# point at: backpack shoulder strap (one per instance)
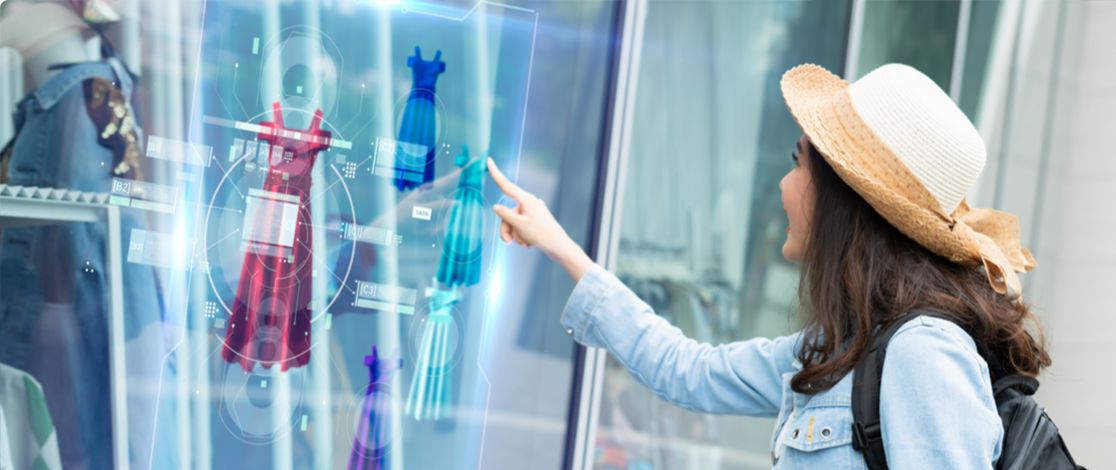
(867, 435)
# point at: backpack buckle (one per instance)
(859, 441)
(863, 435)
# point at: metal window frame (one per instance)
(853, 38)
(588, 375)
(960, 49)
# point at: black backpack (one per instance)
(1031, 440)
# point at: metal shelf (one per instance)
(22, 206)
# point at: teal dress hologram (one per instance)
(430, 386)
(460, 264)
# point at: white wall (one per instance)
(1062, 122)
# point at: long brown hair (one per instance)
(859, 272)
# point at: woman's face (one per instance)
(798, 201)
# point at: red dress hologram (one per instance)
(270, 318)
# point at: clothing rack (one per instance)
(23, 206)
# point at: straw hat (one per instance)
(899, 141)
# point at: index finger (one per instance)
(509, 188)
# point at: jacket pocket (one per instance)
(818, 428)
(820, 436)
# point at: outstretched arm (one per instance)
(742, 378)
(745, 377)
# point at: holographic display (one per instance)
(157, 249)
(418, 130)
(178, 151)
(333, 182)
(270, 321)
(372, 436)
(438, 345)
(385, 298)
(461, 249)
(260, 406)
(143, 195)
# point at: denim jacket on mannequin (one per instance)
(53, 303)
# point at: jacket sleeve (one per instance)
(936, 404)
(739, 378)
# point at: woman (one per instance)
(878, 223)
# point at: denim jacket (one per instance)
(936, 404)
(66, 346)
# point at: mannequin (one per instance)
(44, 33)
(72, 126)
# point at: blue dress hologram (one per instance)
(418, 131)
(374, 423)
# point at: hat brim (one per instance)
(822, 107)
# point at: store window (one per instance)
(312, 276)
(917, 33)
(957, 44)
(985, 23)
(702, 219)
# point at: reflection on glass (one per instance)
(71, 134)
(913, 32)
(703, 222)
(980, 46)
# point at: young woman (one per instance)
(878, 224)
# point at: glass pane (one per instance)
(918, 33)
(984, 23)
(703, 225)
(312, 277)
